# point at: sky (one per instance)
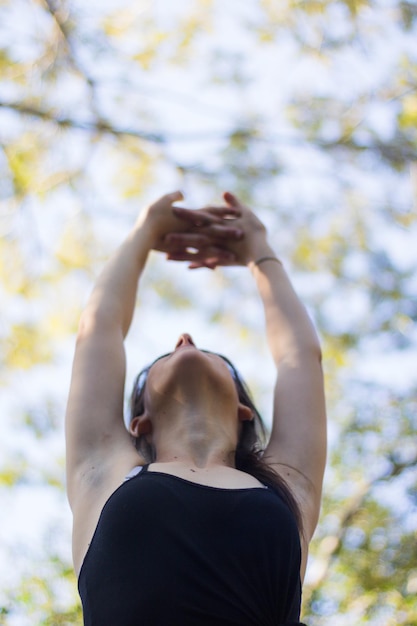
(178, 103)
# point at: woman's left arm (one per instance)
(297, 445)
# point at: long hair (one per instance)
(250, 446)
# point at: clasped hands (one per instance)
(208, 237)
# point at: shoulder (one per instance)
(96, 483)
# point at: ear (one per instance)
(140, 425)
(244, 413)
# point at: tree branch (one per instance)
(67, 122)
(330, 546)
(399, 152)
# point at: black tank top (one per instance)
(170, 552)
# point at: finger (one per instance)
(175, 196)
(213, 263)
(220, 231)
(196, 266)
(227, 212)
(197, 257)
(209, 236)
(182, 240)
(206, 255)
(208, 215)
(232, 200)
(195, 217)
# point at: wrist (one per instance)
(143, 240)
(260, 249)
(266, 259)
(146, 232)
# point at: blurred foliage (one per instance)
(308, 110)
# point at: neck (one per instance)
(197, 437)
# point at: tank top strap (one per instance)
(136, 470)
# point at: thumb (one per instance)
(175, 196)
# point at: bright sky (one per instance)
(180, 106)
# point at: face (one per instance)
(183, 375)
(188, 368)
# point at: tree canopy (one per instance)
(308, 112)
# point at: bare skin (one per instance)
(192, 412)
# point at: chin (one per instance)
(190, 366)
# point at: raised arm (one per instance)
(297, 445)
(95, 432)
(97, 441)
(99, 449)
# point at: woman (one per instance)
(170, 531)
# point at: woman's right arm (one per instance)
(97, 441)
(95, 433)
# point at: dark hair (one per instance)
(250, 447)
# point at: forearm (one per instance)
(290, 332)
(113, 299)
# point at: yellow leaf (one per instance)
(149, 53)
(136, 168)
(76, 247)
(119, 23)
(11, 474)
(24, 158)
(25, 346)
(408, 115)
(15, 275)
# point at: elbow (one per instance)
(94, 321)
(313, 355)
(87, 325)
(317, 352)
(311, 349)
(300, 353)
